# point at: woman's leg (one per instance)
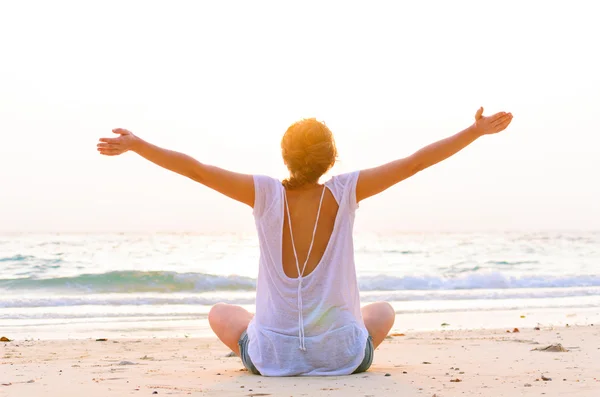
(379, 319)
(229, 322)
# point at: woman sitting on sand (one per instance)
(308, 317)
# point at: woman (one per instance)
(308, 318)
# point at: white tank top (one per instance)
(309, 325)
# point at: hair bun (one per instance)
(308, 150)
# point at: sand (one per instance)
(486, 363)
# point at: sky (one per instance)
(221, 81)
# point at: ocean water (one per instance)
(135, 285)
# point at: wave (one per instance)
(509, 263)
(364, 250)
(168, 282)
(139, 317)
(480, 280)
(132, 282)
(121, 301)
(29, 265)
(17, 258)
(577, 297)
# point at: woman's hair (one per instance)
(308, 151)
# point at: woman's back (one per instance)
(310, 325)
(304, 205)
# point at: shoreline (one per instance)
(486, 362)
(196, 325)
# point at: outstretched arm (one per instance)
(239, 187)
(375, 180)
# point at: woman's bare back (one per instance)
(304, 204)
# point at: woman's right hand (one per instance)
(485, 125)
(115, 146)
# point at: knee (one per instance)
(215, 315)
(380, 312)
(387, 307)
(383, 309)
(387, 311)
(384, 313)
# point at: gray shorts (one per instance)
(243, 344)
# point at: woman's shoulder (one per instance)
(343, 187)
(343, 180)
(267, 190)
(266, 180)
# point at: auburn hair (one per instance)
(308, 151)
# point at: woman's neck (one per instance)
(306, 186)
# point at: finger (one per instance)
(499, 114)
(121, 131)
(501, 119)
(496, 117)
(109, 151)
(479, 113)
(502, 125)
(109, 140)
(107, 146)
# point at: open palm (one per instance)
(116, 146)
(491, 124)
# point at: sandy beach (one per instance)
(443, 363)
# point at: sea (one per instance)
(86, 285)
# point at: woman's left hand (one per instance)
(119, 145)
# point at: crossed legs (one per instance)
(229, 322)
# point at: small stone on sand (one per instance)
(552, 348)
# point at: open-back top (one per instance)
(310, 325)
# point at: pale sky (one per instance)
(222, 80)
